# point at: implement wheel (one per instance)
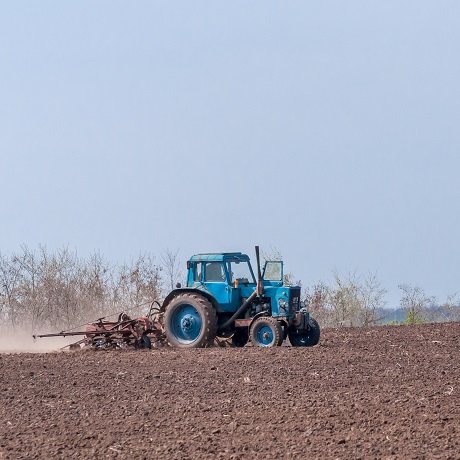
(307, 339)
(266, 332)
(190, 321)
(144, 342)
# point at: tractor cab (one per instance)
(227, 277)
(229, 280)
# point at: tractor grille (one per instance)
(294, 300)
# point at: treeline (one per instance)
(60, 290)
(353, 300)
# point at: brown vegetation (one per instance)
(60, 290)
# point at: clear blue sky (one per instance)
(329, 130)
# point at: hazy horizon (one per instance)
(326, 130)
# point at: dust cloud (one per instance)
(22, 342)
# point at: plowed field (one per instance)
(387, 392)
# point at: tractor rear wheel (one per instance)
(266, 332)
(307, 339)
(190, 321)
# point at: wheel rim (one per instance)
(186, 324)
(264, 335)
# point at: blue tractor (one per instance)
(223, 299)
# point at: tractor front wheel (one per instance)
(266, 332)
(190, 321)
(307, 339)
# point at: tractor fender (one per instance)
(176, 292)
(249, 322)
(258, 315)
(264, 313)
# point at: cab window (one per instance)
(273, 271)
(239, 270)
(214, 272)
(197, 272)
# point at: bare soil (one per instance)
(387, 392)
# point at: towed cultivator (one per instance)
(123, 333)
(222, 299)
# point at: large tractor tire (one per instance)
(190, 321)
(308, 339)
(266, 332)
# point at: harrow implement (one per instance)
(126, 332)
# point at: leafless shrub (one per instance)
(59, 290)
(415, 303)
(349, 301)
(275, 254)
(447, 311)
(136, 284)
(172, 268)
(316, 297)
(373, 300)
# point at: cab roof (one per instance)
(217, 256)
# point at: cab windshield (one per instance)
(240, 270)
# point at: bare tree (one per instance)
(415, 303)
(345, 300)
(59, 290)
(373, 301)
(274, 254)
(171, 267)
(137, 284)
(29, 306)
(9, 279)
(447, 311)
(350, 301)
(317, 300)
(95, 287)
